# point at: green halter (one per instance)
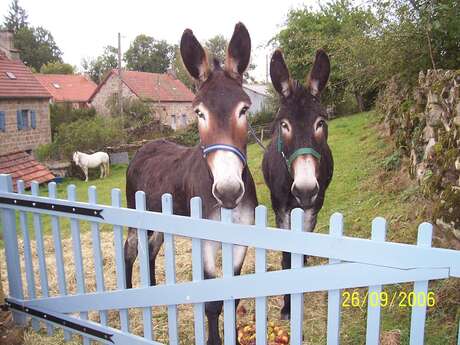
(299, 152)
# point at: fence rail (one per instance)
(353, 262)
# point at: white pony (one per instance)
(94, 160)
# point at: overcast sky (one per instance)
(82, 28)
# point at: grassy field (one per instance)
(361, 189)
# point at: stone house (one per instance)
(72, 89)
(169, 99)
(24, 104)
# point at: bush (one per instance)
(188, 136)
(46, 152)
(87, 135)
(65, 113)
(263, 117)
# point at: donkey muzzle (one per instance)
(305, 187)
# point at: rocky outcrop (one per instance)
(425, 122)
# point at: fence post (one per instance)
(11, 249)
(418, 315)
(379, 228)
(333, 296)
(297, 216)
(261, 267)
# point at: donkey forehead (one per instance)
(303, 109)
(221, 94)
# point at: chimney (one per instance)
(7, 45)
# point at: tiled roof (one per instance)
(67, 87)
(153, 86)
(25, 85)
(23, 166)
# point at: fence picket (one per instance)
(120, 259)
(170, 269)
(144, 265)
(379, 229)
(261, 266)
(418, 315)
(333, 296)
(78, 260)
(227, 270)
(60, 272)
(30, 278)
(37, 219)
(296, 299)
(10, 237)
(197, 272)
(97, 254)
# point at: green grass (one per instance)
(361, 189)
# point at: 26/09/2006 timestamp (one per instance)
(384, 299)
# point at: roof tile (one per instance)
(71, 87)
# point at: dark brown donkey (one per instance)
(215, 170)
(298, 164)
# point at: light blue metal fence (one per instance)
(353, 262)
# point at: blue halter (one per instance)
(225, 147)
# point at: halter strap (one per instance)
(224, 147)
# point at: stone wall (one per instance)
(425, 122)
(25, 139)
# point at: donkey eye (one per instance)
(243, 111)
(284, 125)
(199, 113)
(320, 124)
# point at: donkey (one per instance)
(298, 165)
(216, 170)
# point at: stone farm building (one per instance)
(169, 99)
(72, 89)
(258, 93)
(24, 108)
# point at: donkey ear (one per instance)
(279, 74)
(238, 51)
(194, 56)
(319, 74)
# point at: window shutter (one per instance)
(2, 121)
(33, 119)
(19, 119)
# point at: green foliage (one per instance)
(180, 70)
(16, 17)
(36, 47)
(147, 54)
(65, 113)
(217, 48)
(368, 45)
(136, 113)
(87, 135)
(98, 67)
(57, 68)
(188, 136)
(393, 161)
(46, 152)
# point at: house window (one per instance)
(184, 120)
(2, 121)
(173, 122)
(26, 119)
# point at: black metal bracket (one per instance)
(9, 305)
(90, 212)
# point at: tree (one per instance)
(57, 68)
(179, 69)
(36, 47)
(346, 32)
(146, 54)
(16, 18)
(97, 67)
(217, 48)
